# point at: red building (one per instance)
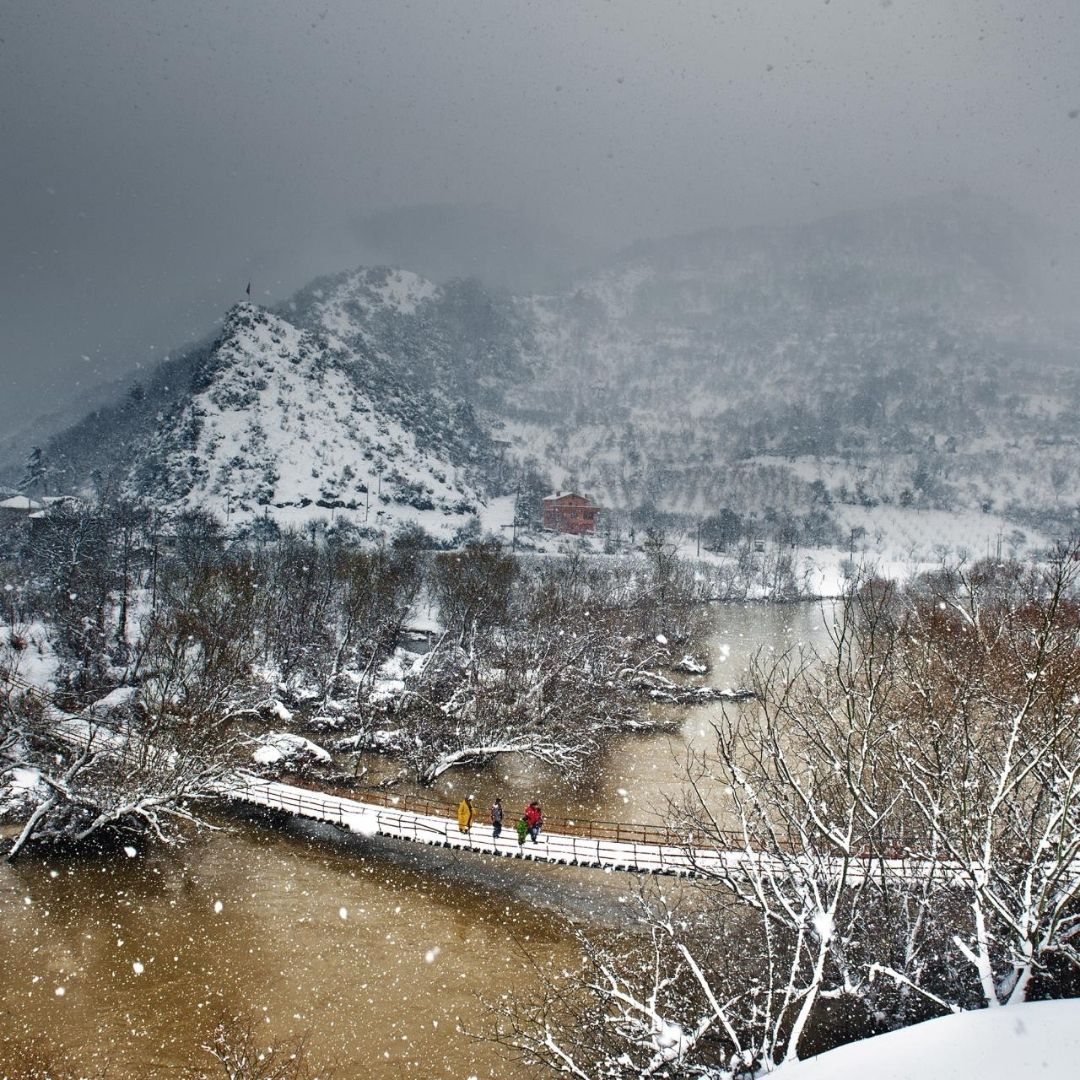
(570, 513)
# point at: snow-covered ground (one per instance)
(27, 652)
(896, 542)
(1041, 1039)
(895, 533)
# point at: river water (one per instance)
(380, 952)
(635, 777)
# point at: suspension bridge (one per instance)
(636, 848)
(615, 846)
(608, 845)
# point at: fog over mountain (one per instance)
(795, 382)
(457, 454)
(157, 157)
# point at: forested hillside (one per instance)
(916, 356)
(913, 354)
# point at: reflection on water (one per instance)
(379, 950)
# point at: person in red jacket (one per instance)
(534, 819)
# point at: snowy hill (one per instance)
(279, 426)
(1041, 1039)
(911, 355)
(458, 340)
(801, 380)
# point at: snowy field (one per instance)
(896, 533)
(896, 542)
(26, 651)
(1036, 1040)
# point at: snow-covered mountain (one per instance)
(459, 340)
(916, 352)
(281, 424)
(916, 355)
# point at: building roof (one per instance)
(20, 502)
(560, 496)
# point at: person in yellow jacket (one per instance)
(465, 814)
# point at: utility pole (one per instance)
(514, 526)
(856, 532)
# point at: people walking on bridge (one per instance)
(522, 829)
(534, 819)
(465, 814)
(496, 819)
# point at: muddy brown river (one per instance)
(382, 953)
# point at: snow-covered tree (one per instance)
(35, 479)
(900, 819)
(541, 663)
(238, 1049)
(989, 759)
(147, 765)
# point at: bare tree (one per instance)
(473, 588)
(900, 827)
(545, 682)
(149, 767)
(237, 1051)
(375, 594)
(990, 762)
(796, 790)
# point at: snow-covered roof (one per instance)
(559, 496)
(20, 502)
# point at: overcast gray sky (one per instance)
(153, 156)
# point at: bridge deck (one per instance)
(372, 820)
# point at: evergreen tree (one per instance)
(36, 474)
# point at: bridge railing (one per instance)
(620, 831)
(294, 802)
